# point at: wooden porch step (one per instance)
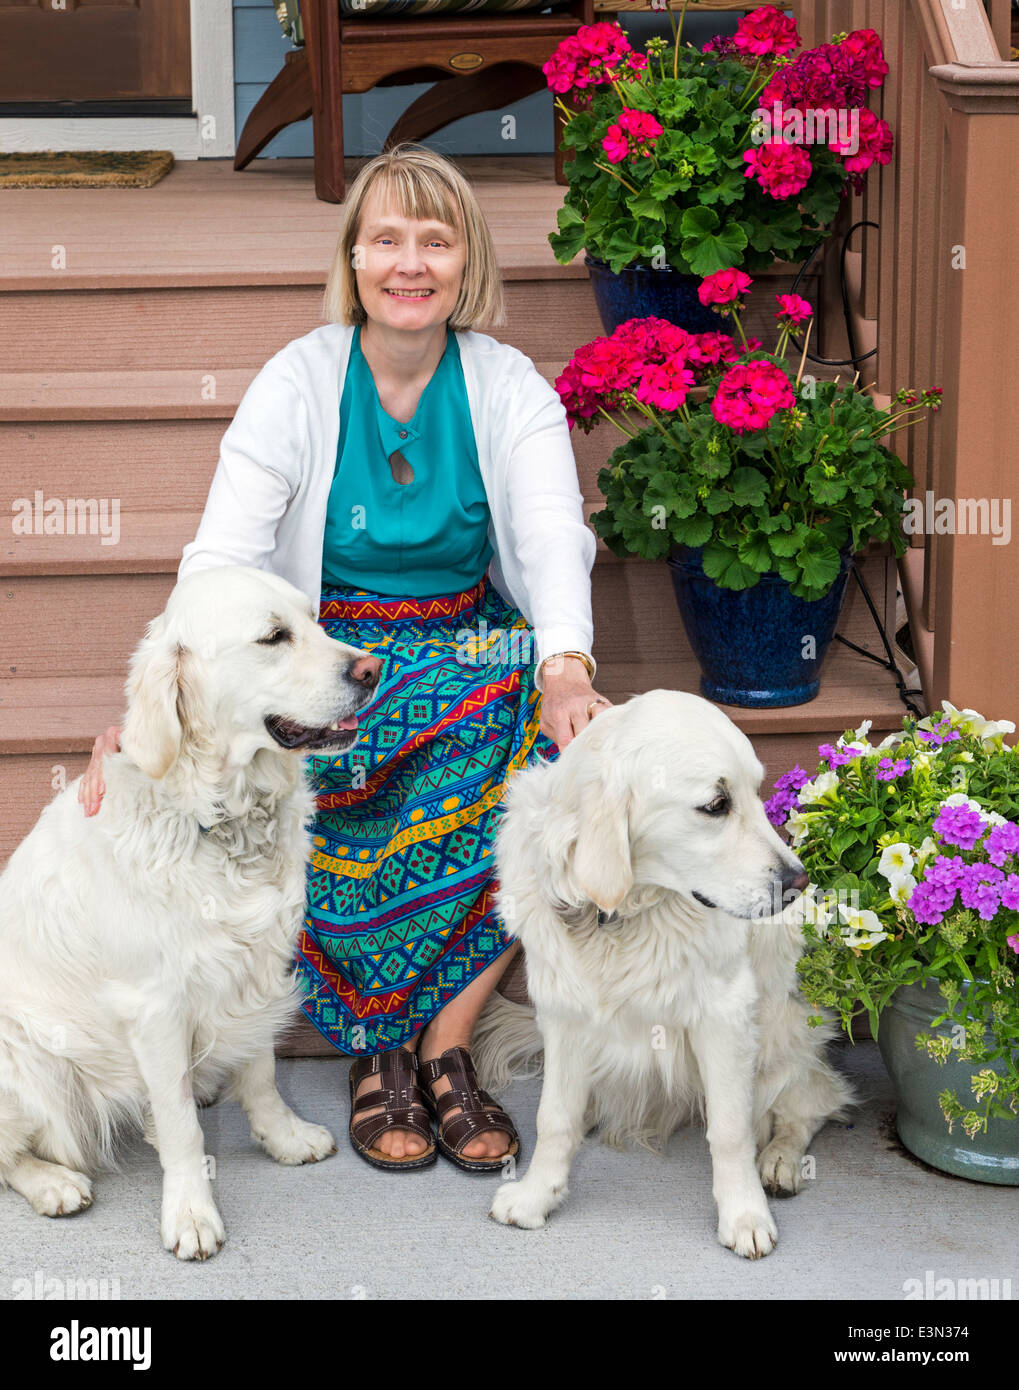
(241, 326)
(145, 543)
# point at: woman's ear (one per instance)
(153, 729)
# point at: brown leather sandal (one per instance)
(479, 1112)
(405, 1106)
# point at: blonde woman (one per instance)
(415, 478)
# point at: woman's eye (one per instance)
(718, 807)
(279, 634)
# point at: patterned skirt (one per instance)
(401, 886)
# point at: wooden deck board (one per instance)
(205, 224)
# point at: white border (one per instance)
(209, 134)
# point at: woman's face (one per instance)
(408, 272)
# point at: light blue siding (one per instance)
(259, 49)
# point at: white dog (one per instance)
(684, 996)
(146, 953)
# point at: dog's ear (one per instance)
(602, 868)
(153, 729)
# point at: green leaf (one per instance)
(723, 565)
(693, 531)
(819, 561)
(749, 487)
(706, 246)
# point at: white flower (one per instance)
(967, 721)
(862, 929)
(995, 818)
(900, 888)
(864, 729)
(929, 847)
(992, 730)
(961, 799)
(896, 859)
(824, 783)
(891, 741)
(796, 827)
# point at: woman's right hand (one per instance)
(92, 786)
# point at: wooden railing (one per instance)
(941, 277)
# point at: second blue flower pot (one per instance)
(640, 292)
(761, 648)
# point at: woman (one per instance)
(380, 463)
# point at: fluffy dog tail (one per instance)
(506, 1043)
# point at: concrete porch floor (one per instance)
(634, 1227)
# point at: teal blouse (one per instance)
(416, 539)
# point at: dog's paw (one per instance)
(516, 1204)
(294, 1141)
(194, 1230)
(751, 1234)
(780, 1170)
(61, 1192)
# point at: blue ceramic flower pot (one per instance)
(991, 1157)
(640, 292)
(752, 644)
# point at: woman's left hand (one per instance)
(568, 702)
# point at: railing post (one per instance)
(977, 575)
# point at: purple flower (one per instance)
(887, 771)
(777, 807)
(827, 76)
(1010, 897)
(926, 905)
(958, 825)
(1001, 842)
(940, 735)
(792, 780)
(981, 889)
(836, 757)
(1013, 941)
(723, 46)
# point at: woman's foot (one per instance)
(488, 1145)
(376, 1143)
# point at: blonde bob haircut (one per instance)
(421, 185)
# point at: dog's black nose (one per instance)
(794, 878)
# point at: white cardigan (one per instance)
(267, 504)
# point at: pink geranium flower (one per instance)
(876, 142)
(723, 287)
(633, 134)
(793, 308)
(666, 385)
(864, 45)
(749, 394)
(782, 170)
(766, 31)
(590, 58)
(711, 349)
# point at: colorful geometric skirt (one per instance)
(400, 912)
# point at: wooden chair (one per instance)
(494, 56)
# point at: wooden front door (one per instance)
(95, 57)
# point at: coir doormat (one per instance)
(84, 168)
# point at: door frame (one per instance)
(208, 133)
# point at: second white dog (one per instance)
(684, 995)
(146, 953)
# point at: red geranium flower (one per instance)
(782, 170)
(723, 287)
(765, 31)
(749, 394)
(793, 308)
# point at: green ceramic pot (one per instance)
(991, 1157)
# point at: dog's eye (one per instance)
(718, 807)
(278, 634)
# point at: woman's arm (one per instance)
(555, 549)
(261, 461)
(554, 546)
